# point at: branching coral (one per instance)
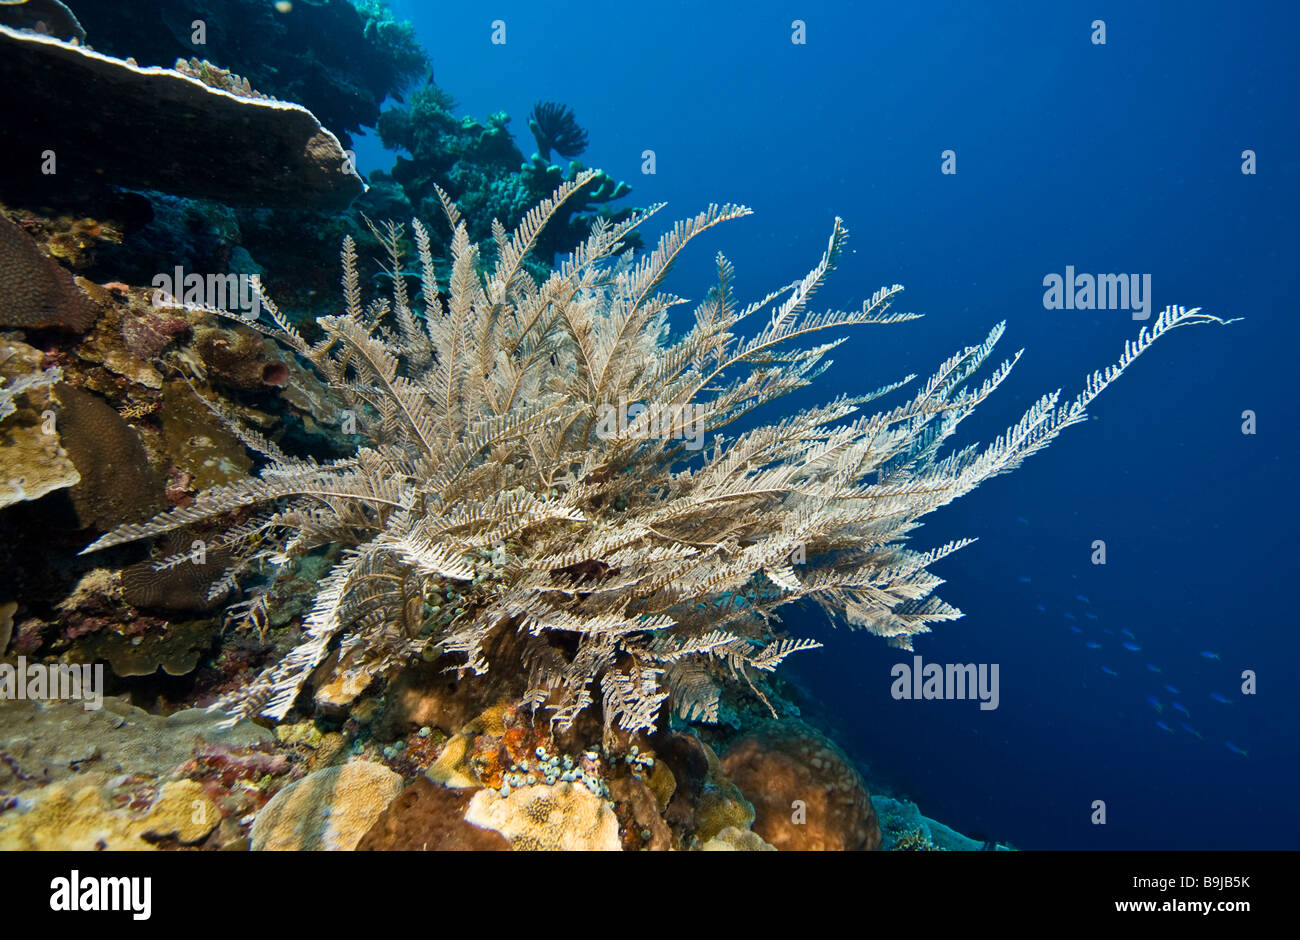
(512, 487)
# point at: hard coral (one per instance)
(806, 793)
(237, 149)
(33, 461)
(548, 818)
(329, 809)
(79, 815)
(117, 483)
(35, 291)
(427, 818)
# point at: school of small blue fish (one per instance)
(1129, 645)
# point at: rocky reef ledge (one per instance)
(82, 117)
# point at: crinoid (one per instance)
(555, 127)
(528, 471)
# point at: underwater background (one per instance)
(1119, 682)
(1123, 157)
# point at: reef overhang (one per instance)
(108, 120)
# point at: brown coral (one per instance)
(806, 793)
(426, 818)
(35, 291)
(117, 484)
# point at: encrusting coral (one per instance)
(32, 459)
(329, 809)
(536, 465)
(562, 817)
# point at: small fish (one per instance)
(1074, 629)
(1022, 520)
(1170, 688)
(1178, 707)
(1108, 631)
(1040, 607)
(1090, 615)
(1132, 647)
(1069, 616)
(1208, 655)
(1164, 727)
(1152, 668)
(1080, 597)
(1190, 730)
(1155, 703)
(1220, 699)
(1236, 750)
(1092, 646)
(1109, 671)
(1026, 579)
(1125, 631)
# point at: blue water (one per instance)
(1116, 158)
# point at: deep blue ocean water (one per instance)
(1117, 158)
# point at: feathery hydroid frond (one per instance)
(538, 466)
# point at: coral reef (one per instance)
(338, 58)
(198, 447)
(737, 840)
(904, 829)
(120, 778)
(49, 742)
(240, 359)
(237, 149)
(500, 545)
(76, 815)
(216, 77)
(481, 168)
